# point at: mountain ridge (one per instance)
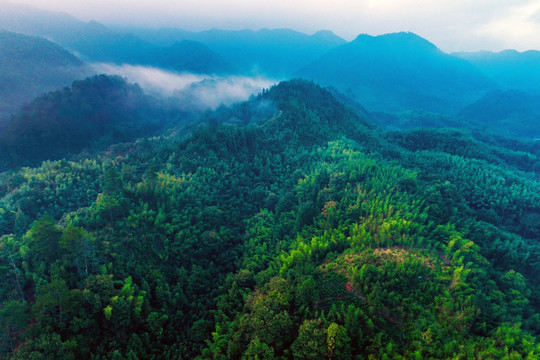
(399, 71)
(512, 69)
(95, 42)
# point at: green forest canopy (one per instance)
(304, 234)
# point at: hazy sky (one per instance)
(452, 25)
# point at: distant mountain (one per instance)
(277, 53)
(190, 56)
(510, 68)
(91, 114)
(98, 43)
(31, 66)
(400, 71)
(508, 113)
(28, 20)
(94, 42)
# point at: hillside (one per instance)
(510, 68)
(286, 227)
(91, 114)
(510, 113)
(31, 66)
(397, 72)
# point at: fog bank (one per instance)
(189, 91)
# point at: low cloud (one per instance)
(193, 92)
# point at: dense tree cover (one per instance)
(92, 114)
(285, 227)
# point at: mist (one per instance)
(190, 92)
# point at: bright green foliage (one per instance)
(303, 234)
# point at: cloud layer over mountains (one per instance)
(190, 91)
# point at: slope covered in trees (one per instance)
(297, 232)
(91, 114)
(31, 66)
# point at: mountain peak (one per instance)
(401, 39)
(398, 71)
(327, 35)
(97, 27)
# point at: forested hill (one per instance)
(289, 228)
(31, 66)
(92, 114)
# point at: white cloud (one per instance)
(516, 28)
(190, 91)
(151, 79)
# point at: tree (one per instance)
(311, 341)
(42, 246)
(80, 247)
(11, 260)
(258, 350)
(14, 318)
(337, 342)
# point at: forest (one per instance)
(289, 226)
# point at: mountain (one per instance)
(29, 20)
(31, 66)
(91, 114)
(99, 44)
(94, 42)
(282, 227)
(275, 53)
(510, 68)
(190, 56)
(397, 72)
(510, 113)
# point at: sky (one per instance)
(452, 25)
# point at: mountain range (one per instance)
(393, 214)
(94, 42)
(388, 73)
(275, 53)
(511, 69)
